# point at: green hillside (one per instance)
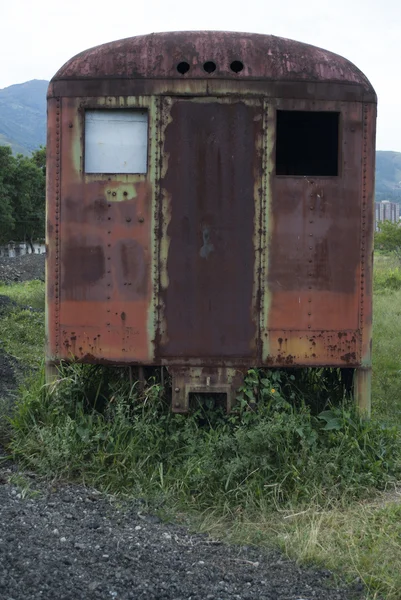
(23, 116)
(388, 175)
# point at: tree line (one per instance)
(388, 238)
(22, 196)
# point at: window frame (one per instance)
(148, 103)
(115, 110)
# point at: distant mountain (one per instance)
(23, 116)
(388, 175)
(23, 127)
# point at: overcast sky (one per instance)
(38, 36)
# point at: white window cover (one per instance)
(116, 141)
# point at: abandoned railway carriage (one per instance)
(210, 208)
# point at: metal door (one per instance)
(210, 210)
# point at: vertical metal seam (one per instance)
(57, 222)
(263, 235)
(363, 226)
(157, 225)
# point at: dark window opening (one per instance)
(209, 66)
(307, 143)
(236, 66)
(183, 67)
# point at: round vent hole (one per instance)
(183, 67)
(236, 66)
(209, 66)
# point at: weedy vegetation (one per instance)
(22, 323)
(293, 465)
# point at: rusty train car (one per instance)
(209, 209)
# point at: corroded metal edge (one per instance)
(310, 90)
(156, 55)
(205, 381)
(164, 217)
(366, 260)
(266, 218)
(363, 226)
(57, 221)
(53, 208)
(153, 326)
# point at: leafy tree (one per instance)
(39, 158)
(388, 238)
(22, 195)
(7, 164)
(29, 201)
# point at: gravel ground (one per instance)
(70, 543)
(66, 542)
(22, 268)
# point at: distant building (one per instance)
(386, 211)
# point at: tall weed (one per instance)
(271, 449)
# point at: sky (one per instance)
(38, 36)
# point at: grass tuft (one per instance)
(386, 346)
(26, 294)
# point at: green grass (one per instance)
(361, 541)
(293, 467)
(21, 329)
(120, 439)
(387, 357)
(27, 293)
(387, 274)
(21, 336)
(386, 385)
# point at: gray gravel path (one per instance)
(68, 543)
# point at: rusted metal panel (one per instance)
(204, 380)
(263, 57)
(314, 247)
(367, 177)
(336, 348)
(106, 250)
(316, 90)
(212, 176)
(272, 67)
(271, 281)
(53, 202)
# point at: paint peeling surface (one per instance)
(213, 162)
(263, 57)
(104, 257)
(236, 243)
(314, 233)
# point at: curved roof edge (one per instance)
(157, 55)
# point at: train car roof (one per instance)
(264, 57)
